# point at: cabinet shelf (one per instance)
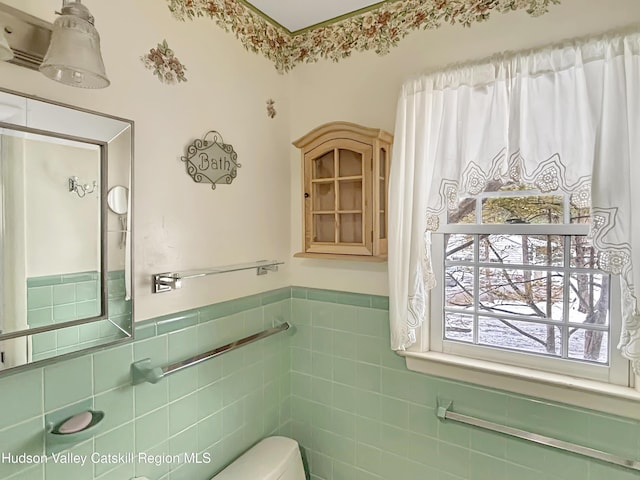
(336, 256)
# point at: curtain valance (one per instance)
(565, 119)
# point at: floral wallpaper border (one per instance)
(377, 30)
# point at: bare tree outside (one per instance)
(534, 293)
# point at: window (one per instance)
(565, 136)
(519, 284)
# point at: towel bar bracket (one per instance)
(263, 270)
(165, 282)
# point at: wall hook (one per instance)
(80, 189)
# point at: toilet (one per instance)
(274, 458)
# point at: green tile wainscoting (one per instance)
(61, 298)
(332, 384)
(220, 407)
(361, 415)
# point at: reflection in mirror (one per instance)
(65, 262)
(37, 205)
(118, 199)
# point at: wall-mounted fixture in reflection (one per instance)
(67, 51)
(81, 189)
(118, 202)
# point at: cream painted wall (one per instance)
(179, 224)
(69, 224)
(364, 89)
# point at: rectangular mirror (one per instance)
(65, 234)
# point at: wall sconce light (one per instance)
(80, 189)
(74, 56)
(67, 51)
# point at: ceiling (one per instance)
(297, 15)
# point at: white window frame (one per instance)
(611, 389)
(616, 372)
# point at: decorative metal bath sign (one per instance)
(210, 160)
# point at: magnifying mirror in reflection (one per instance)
(118, 202)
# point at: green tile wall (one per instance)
(55, 298)
(61, 298)
(220, 407)
(332, 384)
(361, 415)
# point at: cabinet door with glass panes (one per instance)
(345, 171)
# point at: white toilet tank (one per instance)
(274, 458)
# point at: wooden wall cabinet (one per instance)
(345, 172)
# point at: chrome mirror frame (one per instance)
(60, 130)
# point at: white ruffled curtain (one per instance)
(565, 118)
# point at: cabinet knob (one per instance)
(306, 195)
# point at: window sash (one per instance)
(432, 338)
(516, 229)
(564, 325)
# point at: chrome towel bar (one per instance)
(142, 371)
(445, 413)
(165, 282)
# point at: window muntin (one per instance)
(559, 260)
(524, 292)
(513, 203)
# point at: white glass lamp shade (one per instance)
(74, 56)
(5, 50)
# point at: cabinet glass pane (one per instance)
(383, 198)
(350, 194)
(350, 163)
(383, 163)
(323, 166)
(383, 207)
(324, 228)
(350, 228)
(324, 196)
